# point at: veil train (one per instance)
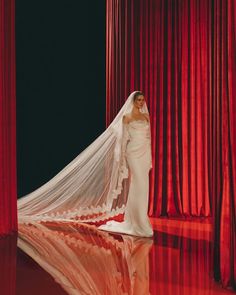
(92, 187)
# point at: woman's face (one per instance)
(139, 101)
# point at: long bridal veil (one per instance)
(92, 187)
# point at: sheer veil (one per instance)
(92, 187)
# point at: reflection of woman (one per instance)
(137, 150)
(94, 187)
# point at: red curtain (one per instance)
(8, 220)
(224, 141)
(164, 48)
(181, 53)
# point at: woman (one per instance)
(95, 186)
(138, 155)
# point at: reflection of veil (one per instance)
(84, 260)
(93, 187)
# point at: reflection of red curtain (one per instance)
(8, 265)
(180, 265)
(182, 55)
(224, 141)
(8, 221)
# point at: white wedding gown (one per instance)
(138, 156)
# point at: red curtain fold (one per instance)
(8, 218)
(224, 141)
(181, 53)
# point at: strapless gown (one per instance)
(139, 160)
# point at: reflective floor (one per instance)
(73, 259)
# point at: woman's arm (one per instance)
(125, 119)
(147, 116)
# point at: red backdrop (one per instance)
(224, 141)
(163, 48)
(181, 54)
(8, 220)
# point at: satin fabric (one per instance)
(139, 159)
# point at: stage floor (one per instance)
(68, 258)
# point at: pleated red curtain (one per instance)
(224, 141)
(181, 53)
(164, 48)
(8, 219)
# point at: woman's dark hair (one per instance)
(137, 94)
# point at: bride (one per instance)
(110, 177)
(138, 155)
